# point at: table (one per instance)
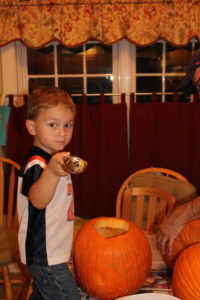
(158, 281)
(160, 277)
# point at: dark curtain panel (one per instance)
(19, 140)
(166, 135)
(100, 137)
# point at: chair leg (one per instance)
(24, 290)
(8, 288)
(29, 292)
(25, 282)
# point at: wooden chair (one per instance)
(166, 179)
(146, 207)
(9, 253)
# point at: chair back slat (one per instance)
(12, 184)
(139, 207)
(163, 210)
(126, 204)
(8, 182)
(1, 194)
(151, 212)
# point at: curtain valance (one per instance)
(73, 22)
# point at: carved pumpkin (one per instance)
(186, 274)
(188, 236)
(112, 258)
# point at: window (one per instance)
(94, 68)
(160, 68)
(84, 69)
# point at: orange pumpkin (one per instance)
(188, 236)
(112, 258)
(186, 274)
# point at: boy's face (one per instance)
(53, 128)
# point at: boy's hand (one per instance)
(57, 165)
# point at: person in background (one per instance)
(45, 196)
(175, 221)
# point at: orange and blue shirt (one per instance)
(45, 235)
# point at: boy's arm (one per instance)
(175, 221)
(42, 191)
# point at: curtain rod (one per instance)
(110, 94)
(25, 3)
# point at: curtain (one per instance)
(100, 137)
(73, 22)
(19, 140)
(166, 135)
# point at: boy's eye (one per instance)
(68, 125)
(52, 125)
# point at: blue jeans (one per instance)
(53, 282)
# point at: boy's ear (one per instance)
(31, 127)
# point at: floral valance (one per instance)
(73, 22)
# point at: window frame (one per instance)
(15, 75)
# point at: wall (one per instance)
(1, 82)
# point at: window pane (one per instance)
(149, 59)
(197, 45)
(71, 85)
(181, 98)
(147, 98)
(70, 60)
(40, 61)
(92, 100)
(172, 83)
(99, 59)
(99, 85)
(149, 84)
(177, 59)
(35, 82)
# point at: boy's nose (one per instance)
(61, 131)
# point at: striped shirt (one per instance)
(45, 235)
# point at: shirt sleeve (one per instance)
(30, 176)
